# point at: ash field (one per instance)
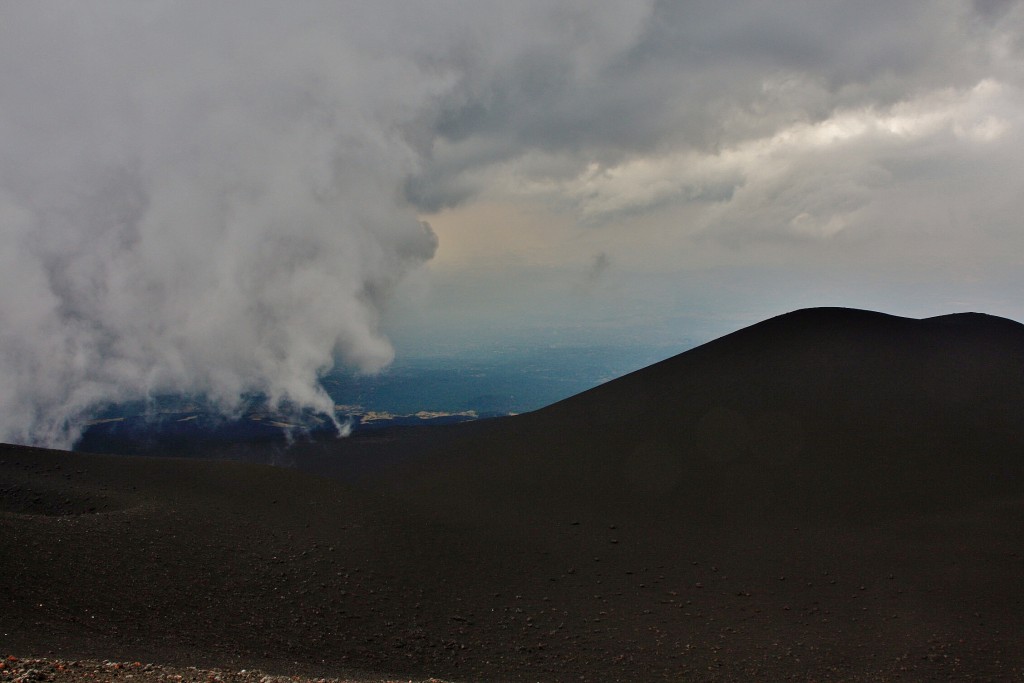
(831, 494)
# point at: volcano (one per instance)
(830, 494)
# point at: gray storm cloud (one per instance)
(704, 77)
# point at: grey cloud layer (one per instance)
(708, 75)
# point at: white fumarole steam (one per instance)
(193, 203)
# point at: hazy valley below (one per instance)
(444, 389)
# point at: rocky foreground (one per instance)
(26, 670)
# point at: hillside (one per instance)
(830, 412)
(828, 495)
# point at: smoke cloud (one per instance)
(194, 202)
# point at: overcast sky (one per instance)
(225, 197)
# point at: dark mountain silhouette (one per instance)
(830, 412)
(828, 495)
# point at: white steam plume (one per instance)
(194, 198)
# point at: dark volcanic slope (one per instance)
(828, 495)
(832, 412)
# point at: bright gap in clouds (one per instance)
(854, 143)
(909, 208)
